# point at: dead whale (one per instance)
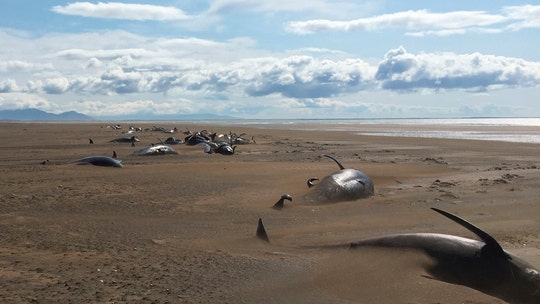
(131, 140)
(222, 148)
(104, 161)
(155, 150)
(197, 138)
(481, 265)
(343, 185)
(171, 141)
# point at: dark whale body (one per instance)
(343, 185)
(481, 265)
(131, 139)
(104, 161)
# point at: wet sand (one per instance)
(181, 228)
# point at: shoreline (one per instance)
(517, 132)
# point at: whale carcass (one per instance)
(343, 185)
(479, 264)
(158, 149)
(103, 161)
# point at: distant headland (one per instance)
(39, 115)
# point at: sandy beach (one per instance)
(181, 228)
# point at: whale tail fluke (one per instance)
(261, 232)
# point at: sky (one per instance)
(272, 59)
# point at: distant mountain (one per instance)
(35, 114)
(38, 115)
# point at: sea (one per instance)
(523, 130)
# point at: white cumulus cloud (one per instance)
(118, 10)
(423, 22)
(448, 71)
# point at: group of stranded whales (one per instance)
(220, 143)
(212, 142)
(482, 264)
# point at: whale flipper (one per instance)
(280, 203)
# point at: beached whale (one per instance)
(171, 141)
(104, 161)
(130, 139)
(155, 150)
(197, 138)
(481, 265)
(222, 148)
(343, 185)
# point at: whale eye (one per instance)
(361, 182)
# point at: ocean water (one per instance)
(532, 122)
(523, 130)
(522, 137)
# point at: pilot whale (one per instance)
(104, 161)
(343, 185)
(131, 139)
(479, 264)
(157, 149)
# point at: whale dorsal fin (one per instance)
(261, 232)
(492, 247)
(334, 159)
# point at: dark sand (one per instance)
(181, 228)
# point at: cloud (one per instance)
(56, 85)
(103, 54)
(410, 20)
(223, 7)
(12, 101)
(307, 77)
(118, 10)
(401, 71)
(294, 76)
(11, 66)
(301, 77)
(117, 67)
(8, 86)
(422, 22)
(14, 65)
(204, 15)
(130, 107)
(526, 16)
